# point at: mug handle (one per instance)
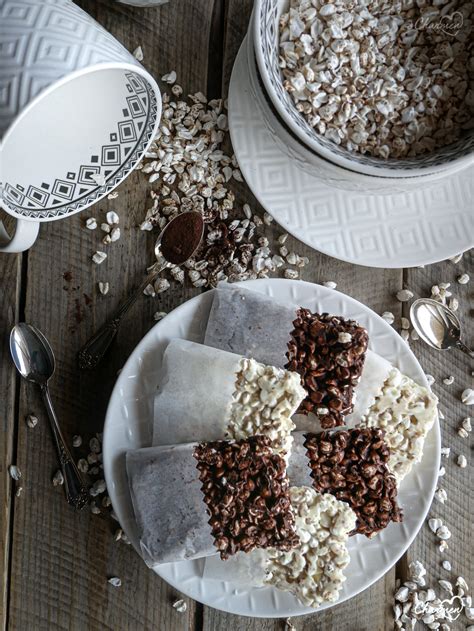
(24, 237)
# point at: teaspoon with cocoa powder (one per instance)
(177, 243)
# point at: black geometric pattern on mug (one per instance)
(80, 187)
(47, 41)
(269, 36)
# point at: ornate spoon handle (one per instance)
(94, 349)
(74, 486)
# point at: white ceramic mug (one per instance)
(77, 113)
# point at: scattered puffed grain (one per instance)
(388, 317)
(149, 291)
(291, 274)
(115, 581)
(138, 53)
(161, 285)
(98, 178)
(94, 445)
(453, 303)
(463, 279)
(115, 234)
(467, 397)
(76, 440)
(441, 495)
(103, 288)
(180, 605)
(404, 295)
(169, 78)
(58, 478)
(31, 420)
(405, 323)
(97, 488)
(267, 219)
(159, 315)
(434, 524)
(446, 585)
(14, 472)
(83, 465)
(112, 218)
(99, 257)
(443, 533)
(462, 461)
(91, 223)
(448, 380)
(330, 284)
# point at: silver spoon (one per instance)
(95, 348)
(34, 360)
(437, 325)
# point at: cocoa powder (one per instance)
(182, 237)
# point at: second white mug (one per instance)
(79, 115)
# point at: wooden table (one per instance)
(55, 564)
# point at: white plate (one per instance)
(129, 422)
(407, 229)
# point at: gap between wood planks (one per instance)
(215, 89)
(20, 314)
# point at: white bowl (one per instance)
(314, 164)
(266, 40)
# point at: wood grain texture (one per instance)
(61, 560)
(457, 512)
(377, 289)
(10, 275)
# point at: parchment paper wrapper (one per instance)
(168, 504)
(209, 394)
(250, 324)
(194, 394)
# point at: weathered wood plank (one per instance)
(61, 561)
(457, 512)
(377, 289)
(10, 275)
